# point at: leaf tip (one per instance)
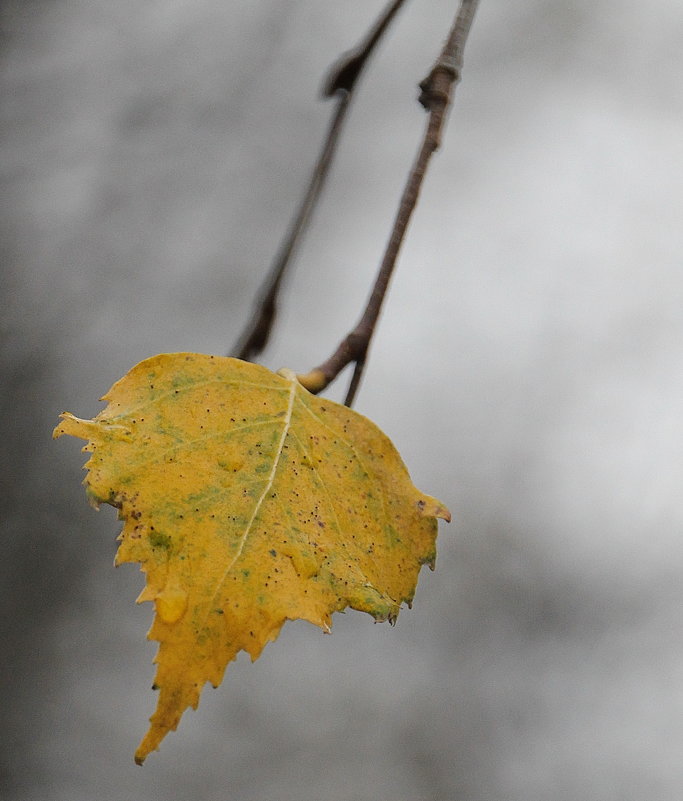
(443, 513)
(430, 507)
(61, 429)
(75, 427)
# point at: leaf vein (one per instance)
(358, 456)
(269, 483)
(196, 385)
(181, 445)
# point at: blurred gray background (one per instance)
(528, 365)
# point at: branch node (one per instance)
(436, 88)
(357, 344)
(344, 73)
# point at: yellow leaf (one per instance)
(248, 502)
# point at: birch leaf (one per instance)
(248, 502)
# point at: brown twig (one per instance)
(255, 336)
(340, 82)
(436, 92)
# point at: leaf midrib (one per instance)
(269, 483)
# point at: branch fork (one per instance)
(436, 92)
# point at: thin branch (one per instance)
(255, 336)
(436, 93)
(340, 82)
(345, 72)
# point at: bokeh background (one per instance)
(528, 365)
